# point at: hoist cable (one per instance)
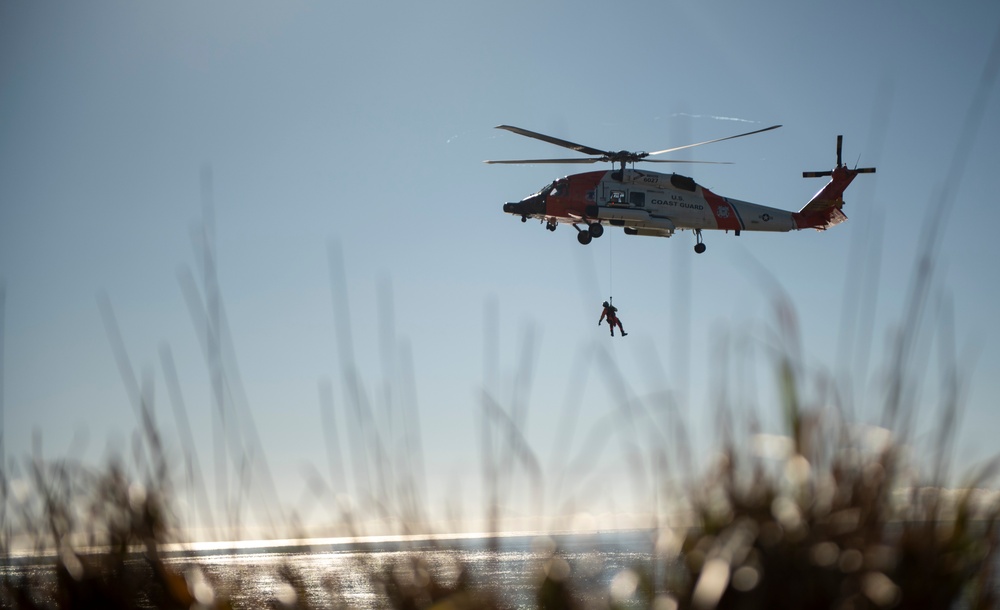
(611, 266)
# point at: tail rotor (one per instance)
(840, 164)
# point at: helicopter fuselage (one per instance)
(656, 204)
(650, 203)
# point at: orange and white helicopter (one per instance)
(651, 203)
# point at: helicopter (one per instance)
(655, 204)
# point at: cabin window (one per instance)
(682, 182)
(637, 199)
(617, 198)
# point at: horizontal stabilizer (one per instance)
(840, 163)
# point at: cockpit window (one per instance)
(545, 190)
(559, 188)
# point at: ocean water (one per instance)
(331, 575)
(600, 567)
(348, 574)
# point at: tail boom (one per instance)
(825, 209)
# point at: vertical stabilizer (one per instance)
(825, 209)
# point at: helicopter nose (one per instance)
(528, 206)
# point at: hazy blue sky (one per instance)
(359, 129)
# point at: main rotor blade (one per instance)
(749, 133)
(684, 161)
(587, 150)
(527, 161)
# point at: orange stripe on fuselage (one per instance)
(725, 216)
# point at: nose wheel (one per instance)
(700, 246)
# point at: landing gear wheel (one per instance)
(700, 246)
(596, 230)
(583, 237)
(524, 219)
(551, 226)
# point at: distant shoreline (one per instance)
(367, 544)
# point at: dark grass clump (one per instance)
(847, 530)
(836, 513)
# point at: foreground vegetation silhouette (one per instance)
(831, 516)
